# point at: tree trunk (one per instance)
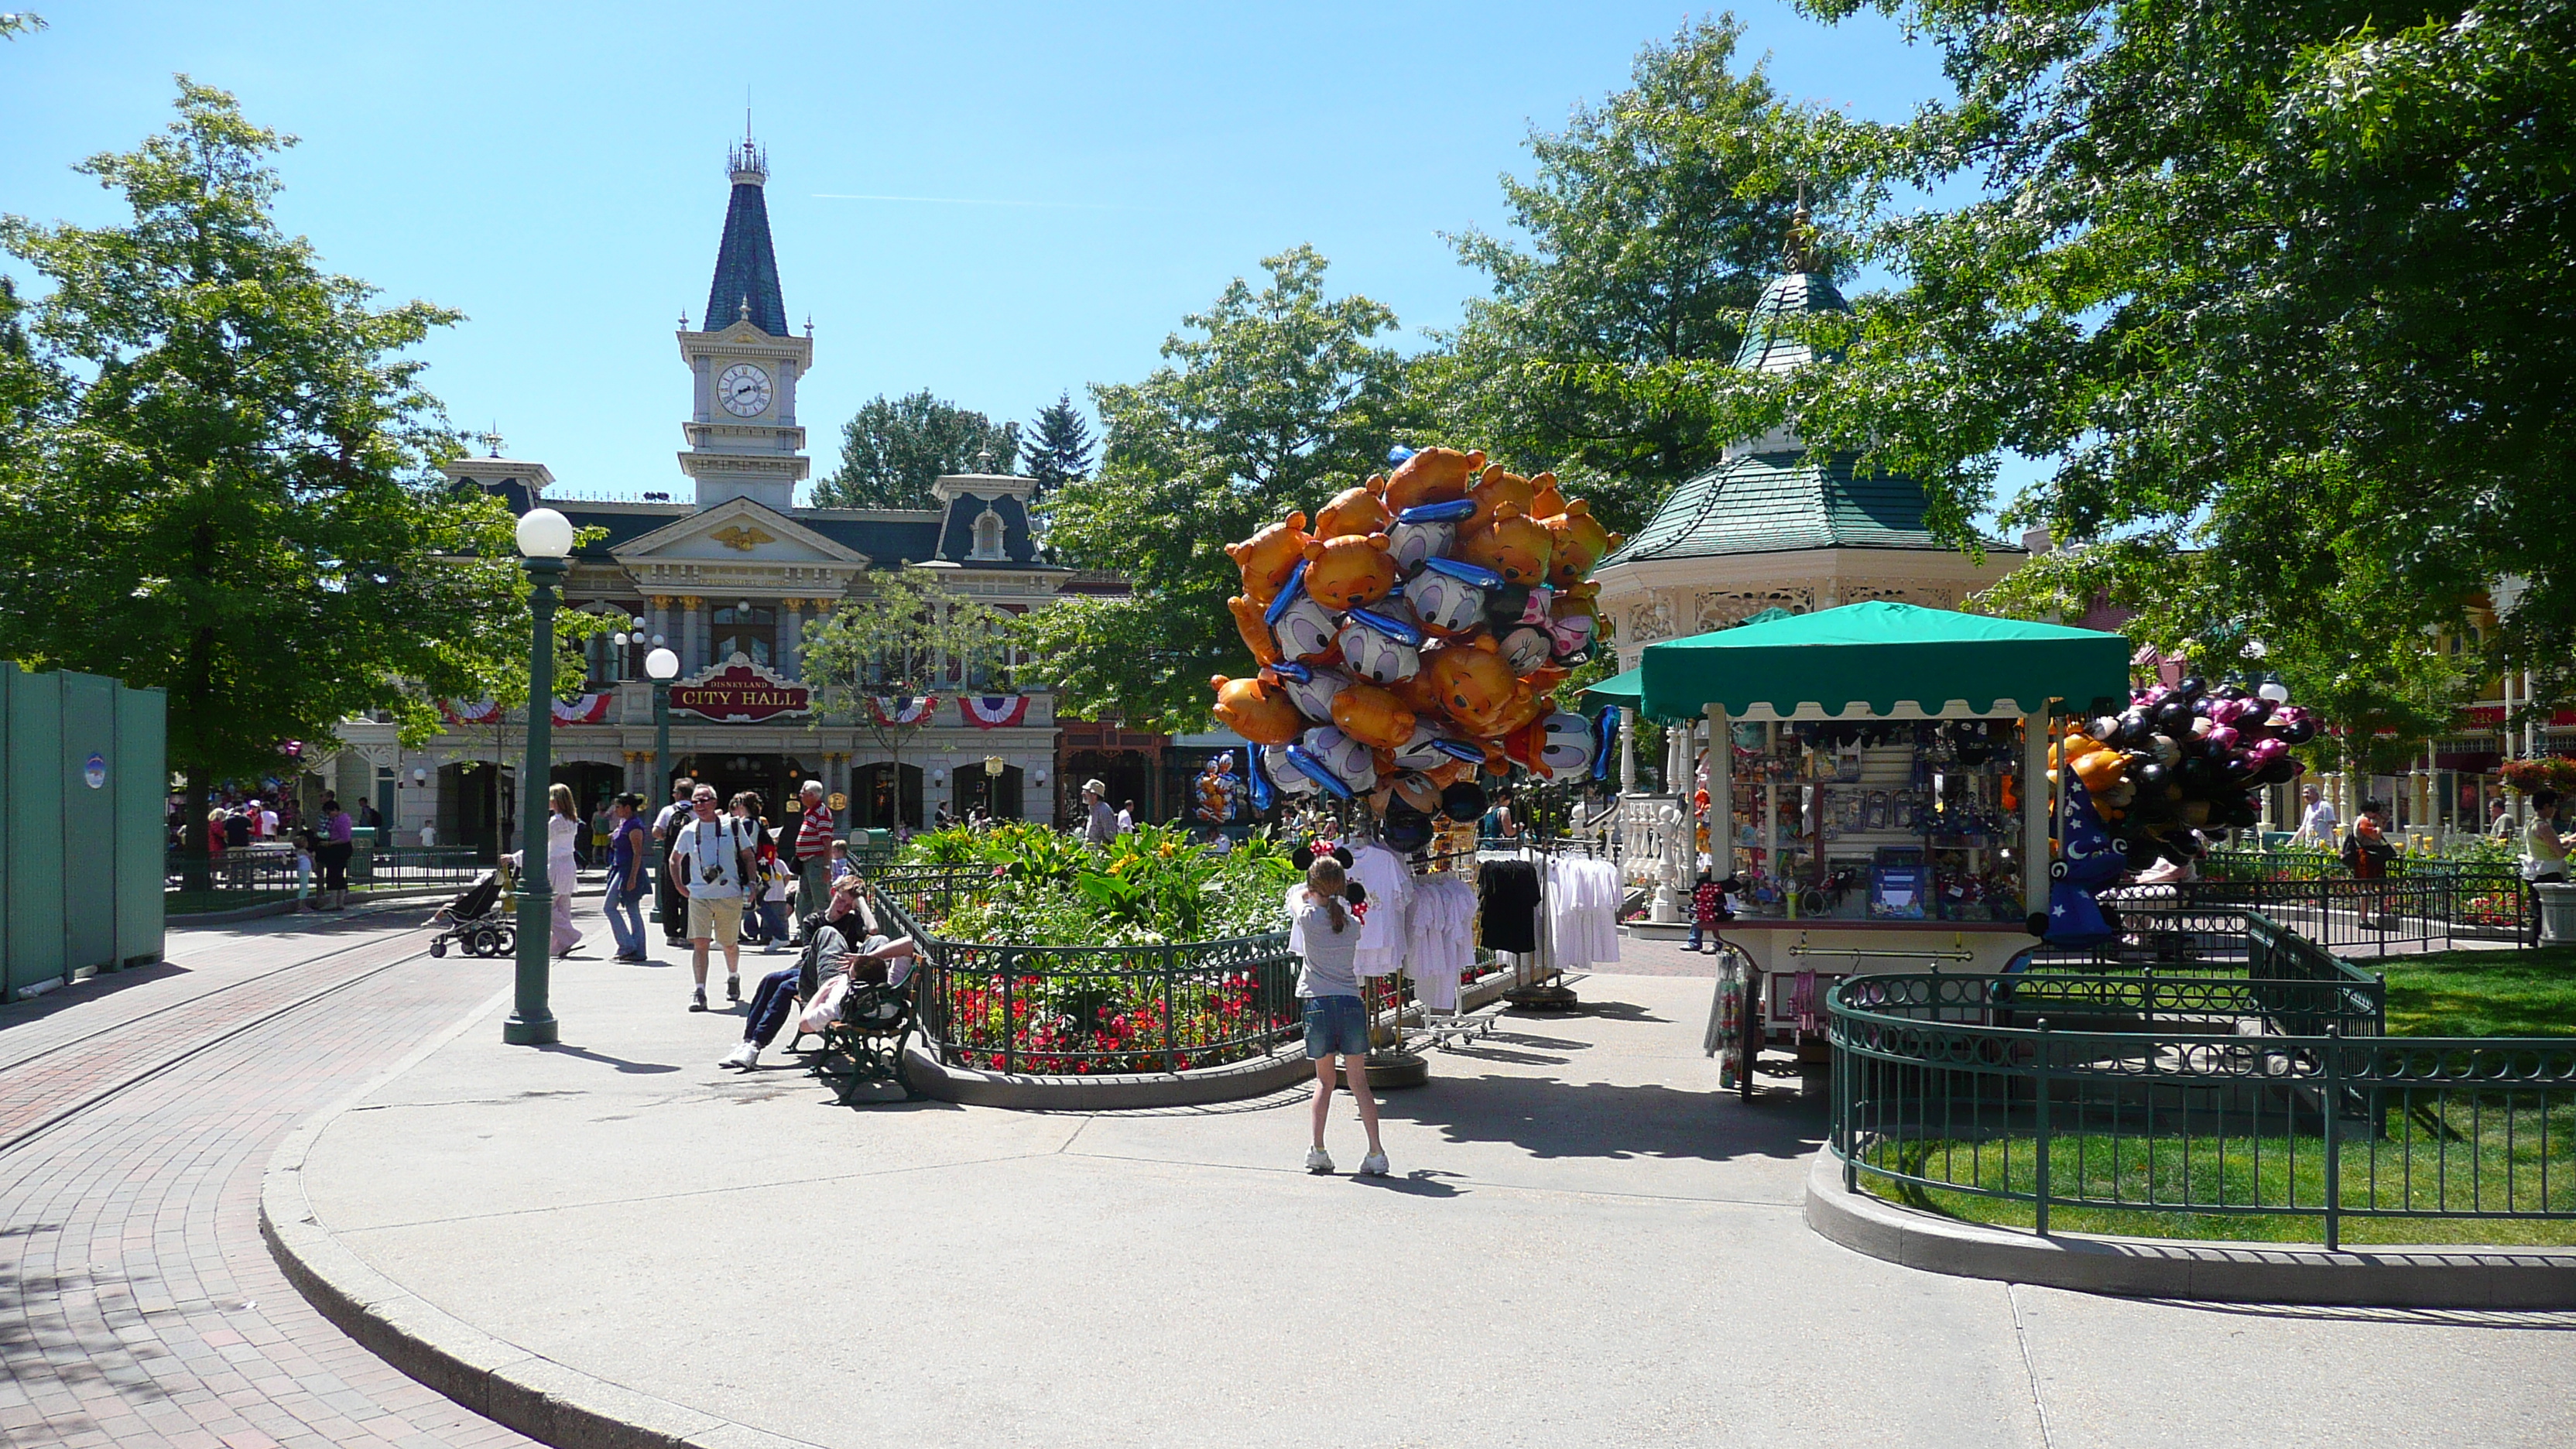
(196, 871)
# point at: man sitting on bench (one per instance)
(827, 953)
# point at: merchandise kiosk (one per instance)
(1876, 787)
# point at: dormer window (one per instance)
(988, 536)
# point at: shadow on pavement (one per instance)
(623, 1065)
(1421, 1182)
(1549, 1118)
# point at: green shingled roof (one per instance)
(1777, 499)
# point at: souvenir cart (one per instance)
(1887, 798)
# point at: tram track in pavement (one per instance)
(19, 1132)
(138, 1302)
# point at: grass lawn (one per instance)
(2492, 1156)
(2489, 1149)
(2482, 993)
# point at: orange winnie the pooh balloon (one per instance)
(1354, 510)
(1249, 623)
(1578, 543)
(1257, 711)
(1269, 557)
(1434, 475)
(1474, 683)
(1372, 716)
(1344, 572)
(1491, 492)
(1546, 499)
(1514, 546)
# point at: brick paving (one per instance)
(138, 1303)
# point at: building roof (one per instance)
(1779, 502)
(746, 266)
(1772, 495)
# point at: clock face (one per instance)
(745, 390)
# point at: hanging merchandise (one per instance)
(1583, 897)
(1508, 896)
(1382, 874)
(1440, 929)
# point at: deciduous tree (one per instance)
(2278, 292)
(1653, 221)
(222, 478)
(893, 449)
(1273, 399)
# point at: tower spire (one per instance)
(746, 277)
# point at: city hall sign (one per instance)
(741, 692)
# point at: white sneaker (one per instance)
(1373, 1165)
(1318, 1161)
(745, 1056)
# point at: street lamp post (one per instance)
(545, 543)
(663, 666)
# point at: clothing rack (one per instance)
(1538, 983)
(1442, 1029)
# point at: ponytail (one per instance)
(1325, 882)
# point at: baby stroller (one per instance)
(474, 920)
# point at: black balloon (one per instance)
(1463, 801)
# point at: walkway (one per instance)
(138, 1304)
(1584, 1244)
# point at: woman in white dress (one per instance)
(563, 832)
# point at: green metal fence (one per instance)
(2195, 1100)
(1087, 1010)
(80, 826)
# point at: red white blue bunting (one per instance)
(903, 709)
(994, 711)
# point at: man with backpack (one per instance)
(712, 865)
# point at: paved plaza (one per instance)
(1584, 1243)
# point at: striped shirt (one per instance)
(814, 836)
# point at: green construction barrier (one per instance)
(80, 826)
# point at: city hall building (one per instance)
(731, 576)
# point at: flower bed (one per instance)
(1044, 956)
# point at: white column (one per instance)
(1721, 795)
(2034, 812)
(791, 638)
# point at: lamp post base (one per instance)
(518, 1031)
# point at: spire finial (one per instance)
(1800, 252)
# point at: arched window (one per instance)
(752, 631)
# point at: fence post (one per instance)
(1010, 1014)
(2334, 1137)
(2041, 1163)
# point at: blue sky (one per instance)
(556, 172)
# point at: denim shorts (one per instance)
(1336, 1024)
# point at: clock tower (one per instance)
(744, 441)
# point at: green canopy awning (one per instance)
(1619, 690)
(1877, 656)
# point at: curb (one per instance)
(503, 1382)
(1230, 1083)
(2377, 1277)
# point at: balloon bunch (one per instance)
(2184, 758)
(1415, 638)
